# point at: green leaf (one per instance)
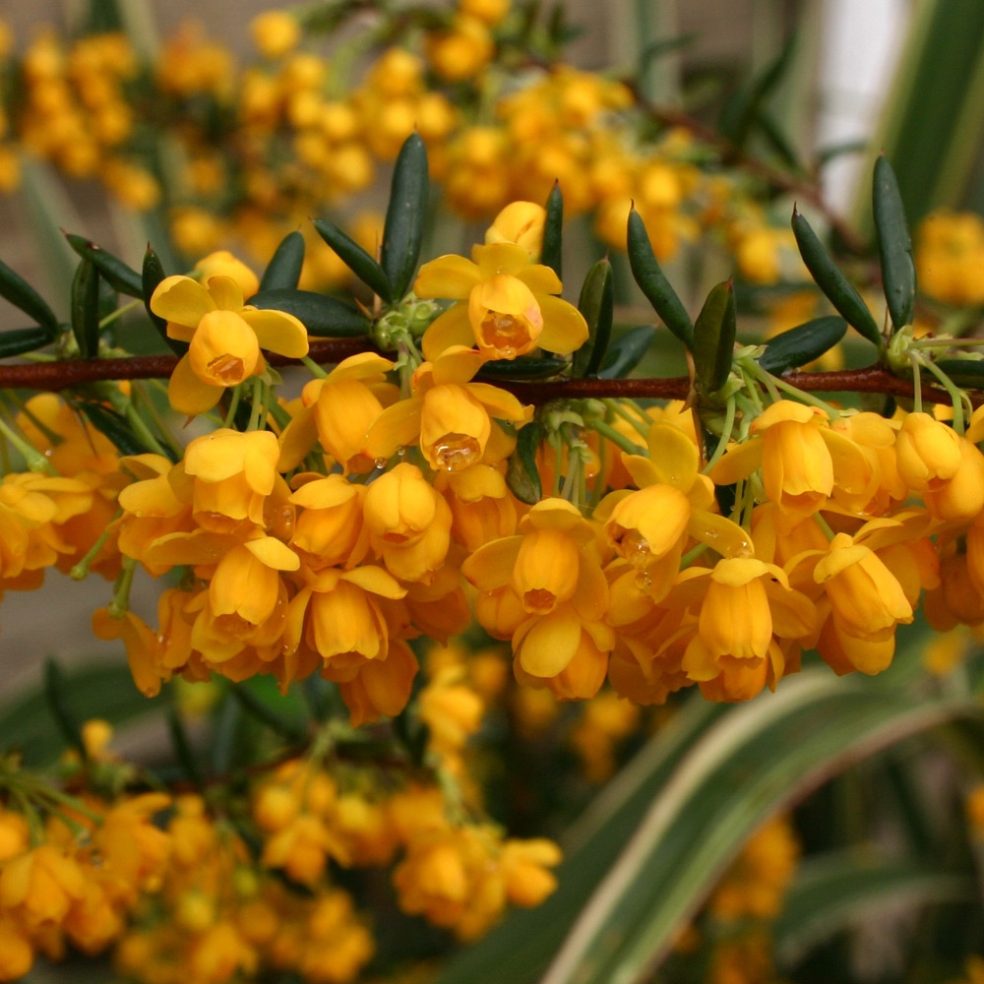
(835, 892)
(597, 304)
(114, 426)
(551, 252)
(96, 689)
(269, 710)
(802, 344)
(114, 271)
(356, 259)
(55, 694)
(894, 244)
(626, 352)
(751, 764)
(404, 228)
(525, 367)
(522, 475)
(20, 340)
(22, 295)
(964, 372)
(839, 291)
(323, 316)
(151, 275)
(744, 109)
(650, 277)
(284, 268)
(85, 308)
(714, 339)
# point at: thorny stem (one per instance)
(65, 373)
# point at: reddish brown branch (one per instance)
(54, 376)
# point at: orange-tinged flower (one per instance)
(506, 304)
(233, 473)
(449, 415)
(41, 886)
(928, 452)
(225, 337)
(329, 527)
(519, 223)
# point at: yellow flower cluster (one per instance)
(950, 256)
(262, 146)
(77, 879)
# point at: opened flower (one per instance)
(224, 336)
(505, 304)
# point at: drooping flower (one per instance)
(506, 304)
(224, 337)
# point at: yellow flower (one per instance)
(928, 452)
(275, 33)
(224, 336)
(329, 529)
(41, 886)
(520, 223)
(449, 415)
(505, 305)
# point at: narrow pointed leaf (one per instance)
(838, 289)
(523, 476)
(324, 316)
(120, 276)
(22, 295)
(114, 426)
(744, 109)
(404, 228)
(894, 244)
(651, 279)
(21, 340)
(597, 304)
(836, 892)
(85, 308)
(525, 367)
(55, 692)
(714, 338)
(802, 344)
(551, 252)
(964, 372)
(356, 259)
(284, 268)
(626, 352)
(151, 275)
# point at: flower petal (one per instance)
(364, 365)
(739, 462)
(396, 427)
(187, 393)
(500, 404)
(497, 258)
(675, 456)
(279, 332)
(550, 644)
(540, 279)
(273, 553)
(376, 581)
(457, 364)
(451, 328)
(491, 566)
(181, 300)
(226, 293)
(448, 276)
(564, 327)
(297, 439)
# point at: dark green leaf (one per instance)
(626, 352)
(114, 426)
(743, 110)
(266, 713)
(650, 277)
(714, 339)
(802, 344)
(839, 291)
(21, 340)
(22, 295)
(597, 304)
(356, 259)
(55, 692)
(964, 372)
(114, 271)
(151, 275)
(551, 252)
(326, 317)
(183, 751)
(832, 151)
(525, 367)
(522, 475)
(284, 268)
(662, 47)
(776, 138)
(404, 228)
(98, 689)
(85, 308)
(894, 244)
